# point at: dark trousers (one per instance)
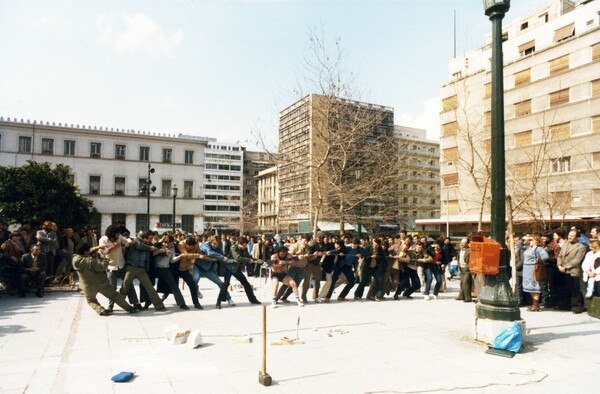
(37, 278)
(165, 275)
(297, 275)
(410, 281)
(431, 271)
(132, 272)
(191, 283)
(519, 290)
(575, 291)
(365, 278)
(466, 282)
(337, 271)
(239, 275)
(314, 271)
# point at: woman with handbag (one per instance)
(534, 270)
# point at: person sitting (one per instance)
(33, 268)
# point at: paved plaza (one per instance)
(60, 345)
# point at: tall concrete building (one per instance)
(268, 200)
(306, 131)
(254, 163)
(552, 122)
(419, 181)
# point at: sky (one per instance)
(224, 68)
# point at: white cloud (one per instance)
(140, 34)
(429, 119)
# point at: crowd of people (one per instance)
(395, 267)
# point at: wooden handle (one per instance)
(264, 338)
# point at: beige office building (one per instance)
(552, 122)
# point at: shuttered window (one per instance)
(451, 206)
(564, 32)
(523, 77)
(596, 197)
(487, 90)
(596, 52)
(523, 138)
(559, 98)
(450, 154)
(560, 131)
(450, 103)
(527, 48)
(596, 160)
(449, 129)
(559, 64)
(596, 124)
(596, 88)
(562, 198)
(523, 108)
(523, 170)
(488, 118)
(488, 146)
(450, 179)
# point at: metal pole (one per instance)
(174, 199)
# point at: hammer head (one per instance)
(264, 378)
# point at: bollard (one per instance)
(263, 377)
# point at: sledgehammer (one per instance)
(263, 377)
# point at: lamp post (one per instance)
(358, 173)
(497, 301)
(148, 189)
(174, 190)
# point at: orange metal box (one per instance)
(485, 256)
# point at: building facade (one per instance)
(254, 163)
(419, 182)
(552, 122)
(268, 200)
(110, 167)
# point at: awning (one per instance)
(526, 46)
(564, 32)
(333, 226)
(388, 225)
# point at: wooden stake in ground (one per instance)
(263, 377)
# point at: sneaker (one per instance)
(426, 298)
(319, 300)
(274, 304)
(231, 303)
(299, 302)
(589, 293)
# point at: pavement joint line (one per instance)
(58, 386)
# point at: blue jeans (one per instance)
(432, 270)
(210, 275)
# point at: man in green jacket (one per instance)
(93, 280)
(240, 257)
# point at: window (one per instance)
(487, 90)
(415, 188)
(142, 186)
(505, 36)
(94, 184)
(596, 88)
(69, 148)
(450, 206)
(189, 157)
(432, 201)
(119, 186)
(564, 32)
(562, 164)
(523, 108)
(141, 222)
(450, 103)
(543, 18)
(524, 25)
(450, 154)
(167, 153)
(120, 152)
(415, 200)
(24, 144)
(523, 170)
(523, 139)
(166, 188)
(449, 129)
(523, 77)
(527, 48)
(596, 124)
(596, 197)
(187, 223)
(188, 189)
(562, 198)
(95, 149)
(596, 52)
(166, 219)
(488, 118)
(405, 200)
(450, 179)
(119, 218)
(48, 146)
(560, 131)
(596, 161)
(559, 64)
(144, 153)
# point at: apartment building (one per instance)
(419, 182)
(268, 200)
(254, 163)
(307, 167)
(552, 121)
(110, 167)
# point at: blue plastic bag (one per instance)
(122, 377)
(511, 338)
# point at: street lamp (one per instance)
(174, 190)
(497, 301)
(147, 189)
(357, 174)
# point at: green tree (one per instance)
(37, 192)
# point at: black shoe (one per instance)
(161, 309)
(577, 310)
(407, 296)
(184, 307)
(22, 294)
(146, 305)
(39, 293)
(106, 312)
(164, 297)
(111, 307)
(133, 311)
(218, 306)
(139, 307)
(396, 297)
(256, 302)
(198, 306)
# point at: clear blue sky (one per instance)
(222, 68)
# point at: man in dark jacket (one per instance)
(240, 256)
(33, 268)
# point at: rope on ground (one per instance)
(544, 375)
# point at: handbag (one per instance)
(540, 272)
